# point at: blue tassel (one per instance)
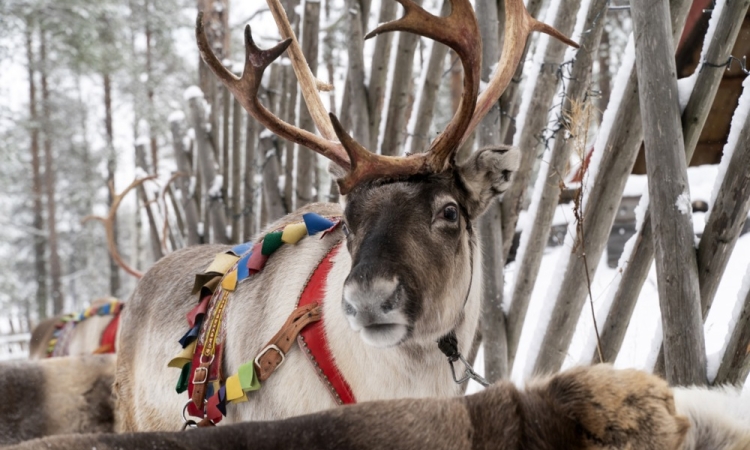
(241, 249)
(315, 223)
(192, 334)
(242, 270)
(222, 405)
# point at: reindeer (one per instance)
(409, 267)
(75, 338)
(586, 408)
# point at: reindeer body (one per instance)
(155, 320)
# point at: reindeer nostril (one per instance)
(507, 174)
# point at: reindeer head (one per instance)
(409, 220)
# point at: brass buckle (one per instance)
(265, 350)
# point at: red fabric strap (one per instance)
(313, 340)
(110, 334)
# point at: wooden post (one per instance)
(237, 116)
(619, 147)
(727, 216)
(510, 100)
(535, 120)
(358, 108)
(306, 159)
(420, 138)
(634, 274)
(205, 157)
(183, 183)
(538, 234)
(379, 73)
(492, 322)
(398, 103)
(250, 209)
(676, 265)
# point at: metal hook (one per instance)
(468, 373)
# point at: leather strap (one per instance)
(313, 340)
(200, 373)
(274, 352)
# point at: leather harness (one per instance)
(204, 377)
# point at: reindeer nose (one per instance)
(367, 304)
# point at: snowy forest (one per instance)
(105, 107)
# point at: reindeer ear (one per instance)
(486, 174)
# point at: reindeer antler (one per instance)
(459, 31)
(245, 90)
(109, 223)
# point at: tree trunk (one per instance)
(114, 269)
(676, 265)
(55, 268)
(306, 159)
(533, 244)
(140, 161)
(619, 147)
(40, 260)
(398, 103)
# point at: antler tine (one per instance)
(518, 25)
(366, 166)
(109, 223)
(459, 31)
(245, 90)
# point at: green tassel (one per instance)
(182, 382)
(272, 242)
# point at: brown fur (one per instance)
(56, 396)
(593, 408)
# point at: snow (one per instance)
(176, 116)
(738, 122)
(215, 190)
(685, 89)
(192, 92)
(683, 203)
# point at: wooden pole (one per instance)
(676, 265)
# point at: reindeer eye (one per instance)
(345, 229)
(450, 213)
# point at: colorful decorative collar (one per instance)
(57, 345)
(202, 345)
